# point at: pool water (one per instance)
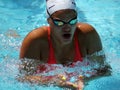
(18, 17)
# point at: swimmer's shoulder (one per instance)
(40, 32)
(33, 42)
(87, 31)
(85, 28)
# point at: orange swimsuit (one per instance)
(51, 58)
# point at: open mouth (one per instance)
(66, 36)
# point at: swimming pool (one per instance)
(18, 17)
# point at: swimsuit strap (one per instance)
(78, 56)
(51, 58)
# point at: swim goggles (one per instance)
(58, 22)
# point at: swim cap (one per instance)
(56, 5)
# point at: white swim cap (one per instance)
(56, 5)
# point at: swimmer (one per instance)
(64, 41)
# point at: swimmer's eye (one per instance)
(58, 23)
(72, 22)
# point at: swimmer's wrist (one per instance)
(62, 80)
(62, 83)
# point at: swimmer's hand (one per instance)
(77, 85)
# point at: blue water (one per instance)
(18, 17)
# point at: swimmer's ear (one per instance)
(49, 21)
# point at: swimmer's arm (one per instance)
(34, 79)
(100, 59)
(48, 80)
(94, 47)
(104, 68)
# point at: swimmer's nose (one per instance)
(66, 28)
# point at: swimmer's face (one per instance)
(63, 25)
